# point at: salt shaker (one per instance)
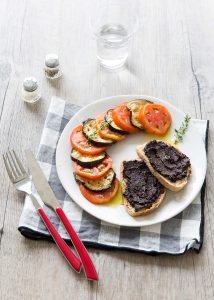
(30, 93)
(52, 70)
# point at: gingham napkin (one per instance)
(175, 236)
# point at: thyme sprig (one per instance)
(179, 133)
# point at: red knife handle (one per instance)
(88, 265)
(66, 251)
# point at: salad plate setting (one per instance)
(130, 160)
(121, 173)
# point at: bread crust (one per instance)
(130, 209)
(172, 186)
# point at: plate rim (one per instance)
(134, 96)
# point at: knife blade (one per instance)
(48, 197)
(40, 182)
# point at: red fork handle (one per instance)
(65, 249)
(88, 265)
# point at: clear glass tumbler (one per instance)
(114, 23)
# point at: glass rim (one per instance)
(130, 34)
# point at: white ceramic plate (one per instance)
(174, 203)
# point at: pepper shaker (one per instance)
(52, 69)
(30, 93)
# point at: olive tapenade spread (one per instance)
(167, 160)
(142, 188)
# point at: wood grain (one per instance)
(172, 57)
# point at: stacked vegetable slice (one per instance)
(92, 166)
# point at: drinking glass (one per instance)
(114, 23)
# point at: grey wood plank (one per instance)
(171, 57)
(201, 44)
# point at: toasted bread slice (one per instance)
(130, 208)
(173, 186)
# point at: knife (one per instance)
(48, 197)
(66, 251)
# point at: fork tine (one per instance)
(15, 164)
(11, 164)
(18, 162)
(9, 171)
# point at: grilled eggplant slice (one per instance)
(112, 125)
(98, 185)
(87, 161)
(134, 108)
(90, 131)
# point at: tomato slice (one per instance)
(95, 172)
(155, 118)
(80, 143)
(105, 132)
(100, 197)
(121, 116)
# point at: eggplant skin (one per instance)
(98, 144)
(112, 128)
(94, 137)
(134, 123)
(95, 188)
(89, 164)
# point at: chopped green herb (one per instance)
(103, 125)
(179, 133)
(91, 136)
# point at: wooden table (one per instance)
(172, 57)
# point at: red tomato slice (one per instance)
(105, 132)
(96, 172)
(80, 143)
(100, 197)
(155, 118)
(121, 117)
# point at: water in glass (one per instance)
(112, 45)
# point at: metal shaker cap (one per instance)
(51, 60)
(30, 84)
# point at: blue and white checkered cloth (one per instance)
(175, 236)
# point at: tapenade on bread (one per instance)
(168, 164)
(142, 192)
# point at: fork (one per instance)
(22, 181)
